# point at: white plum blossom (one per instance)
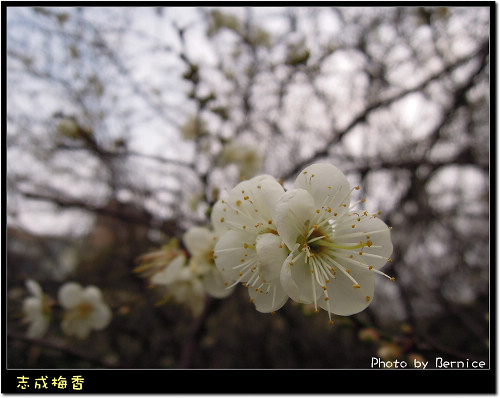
(36, 310)
(84, 309)
(250, 251)
(200, 243)
(335, 251)
(182, 284)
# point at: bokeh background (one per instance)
(124, 125)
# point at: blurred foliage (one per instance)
(128, 147)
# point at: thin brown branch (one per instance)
(59, 346)
(482, 53)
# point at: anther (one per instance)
(356, 286)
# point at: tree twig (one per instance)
(59, 346)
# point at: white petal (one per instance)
(380, 237)
(252, 202)
(268, 301)
(296, 279)
(32, 307)
(326, 183)
(92, 295)
(271, 253)
(294, 212)
(199, 240)
(218, 213)
(232, 250)
(34, 288)
(344, 299)
(171, 272)
(214, 284)
(101, 317)
(38, 327)
(70, 294)
(74, 326)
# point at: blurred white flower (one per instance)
(249, 251)
(85, 309)
(200, 243)
(335, 251)
(182, 284)
(36, 310)
(248, 158)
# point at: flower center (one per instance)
(317, 242)
(84, 310)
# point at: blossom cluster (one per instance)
(308, 244)
(186, 275)
(84, 309)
